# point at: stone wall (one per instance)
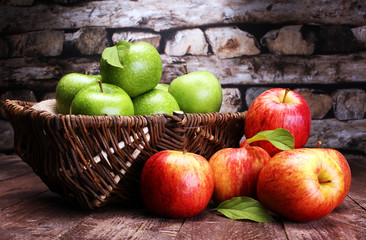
(314, 47)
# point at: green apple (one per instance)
(135, 67)
(68, 86)
(102, 99)
(155, 101)
(197, 92)
(162, 86)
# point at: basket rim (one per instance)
(26, 107)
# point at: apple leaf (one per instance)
(239, 208)
(280, 138)
(115, 55)
(122, 48)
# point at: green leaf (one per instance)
(239, 208)
(115, 55)
(280, 138)
(122, 48)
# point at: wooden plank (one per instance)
(211, 225)
(358, 185)
(162, 15)
(345, 222)
(273, 69)
(21, 188)
(47, 216)
(349, 135)
(118, 222)
(34, 215)
(14, 170)
(42, 74)
(6, 159)
(261, 69)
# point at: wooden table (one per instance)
(28, 210)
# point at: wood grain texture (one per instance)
(15, 190)
(210, 225)
(119, 222)
(30, 211)
(358, 185)
(44, 73)
(8, 159)
(350, 137)
(160, 15)
(13, 170)
(272, 69)
(345, 222)
(45, 216)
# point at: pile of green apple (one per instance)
(271, 165)
(129, 84)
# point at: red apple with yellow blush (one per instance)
(176, 184)
(304, 184)
(279, 108)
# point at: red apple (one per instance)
(176, 184)
(279, 108)
(304, 184)
(236, 171)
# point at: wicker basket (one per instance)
(97, 160)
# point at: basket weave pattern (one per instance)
(96, 160)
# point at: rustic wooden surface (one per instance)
(28, 210)
(262, 69)
(177, 14)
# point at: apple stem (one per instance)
(328, 181)
(246, 143)
(185, 68)
(101, 86)
(284, 97)
(319, 143)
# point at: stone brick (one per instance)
(69, 2)
(4, 48)
(165, 15)
(287, 41)
(360, 35)
(23, 95)
(270, 69)
(335, 39)
(188, 41)
(6, 136)
(231, 100)
(152, 38)
(252, 93)
(49, 95)
(45, 43)
(230, 42)
(17, 45)
(343, 135)
(349, 104)
(319, 103)
(20, 2)
(88, 41)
